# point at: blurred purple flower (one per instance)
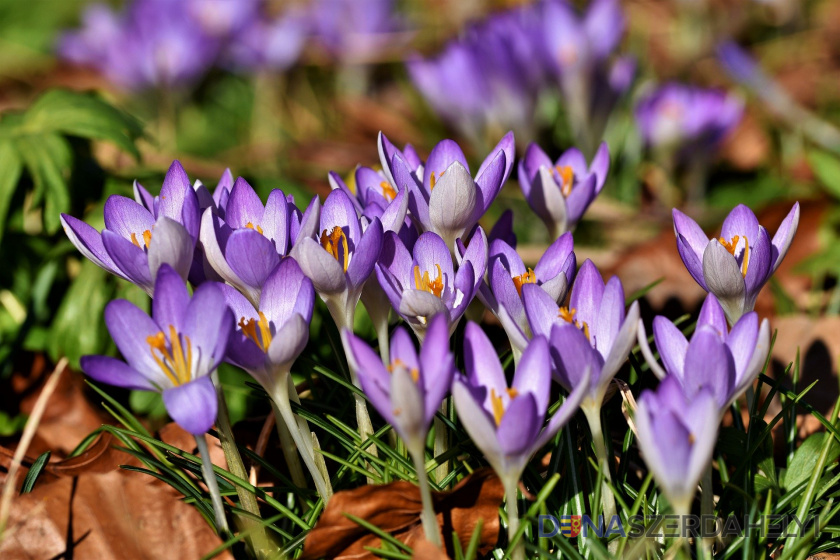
(173, 352)
(687, 118)
(722, 361)
(676, 436)
(559, 193)
(507, 275)
(410, 389)
(735, 266)
(141, 236)
(246, 245)
(272, 44)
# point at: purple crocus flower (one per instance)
(592, 333)
(507, 423)
(687, 118)
(735, 266)
(722, 361)
(274, 44)
(375, 197)
(341, 260)
(139, 238)
(448, 201)
(507, 275)
(559, 193)
(173, 352)
(423, 283)
(410, 389)
(245, 246)
(217, 200)
(676, 436)
(354, 30)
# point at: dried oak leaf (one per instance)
(395, 508)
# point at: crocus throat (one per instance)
(336, 245)
(175, 360)
(257, 330)
(568, 315)
(425, 283)
(249, 225)
(527, 278)
(396, 362)
(567, 178)
(498, 405)
(147, 238)
(388, 191)
(732, 246)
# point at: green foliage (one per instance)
(827, 169)
(34, 471)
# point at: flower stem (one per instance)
(441, 441)
(427, 516)
(593, 416)
(289, 448)
(299, 430)
(212, 486)
(259, 539)
(513, 518)
(707, 503)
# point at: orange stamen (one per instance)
(388, 191)
(425, 283)
(527, 278)
(567, 178)
(174, 361)
(331, 244)
(262, 337)
(732, 246)
(249, 225)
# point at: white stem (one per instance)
(289, 448)
(513, 518)
(212, 485)
(707, 504)
(427, 516)
(593, 416)
(302, 438)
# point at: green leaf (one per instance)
(48, 158)
(805, 460)
(84, 115)
(827, 169)
(34, 471)
(10, 170)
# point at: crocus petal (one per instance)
(571, 405)
(143, 197)
(129, 328)
(482, 366)
(125, 217)
(437, 364)
(600, 166)
(695, 239)
(251, 257)
(431, 251)
(409, 414)
(171, 244)
(741, 222)
(784, 236)
(704, 432)
(129, 258)
(610, 316)
(554, 260)
(712, 314)
(366, 254)
(112, 371)
(287, 292)
(644, 346)
(396, 258)
(443, 155)
(708, 365)
(587, 294)
(175, 189)
(519, 425)
(503, 229)
(171, 299)
(452, 203)
(478, 424)
(671, 344)
(620, 348)
(574, 158)
(757, 360)
(193, 406)
(759, 262)
(289, 341)
(338, 211)
(402, 349)
(336, 182)
(505, 294)
(579, 199)
(505, 147)
(533, 373)
(476, 254)
(489, 181)
(89, 242)
(309, 223)
(547, 200)
(393, 217)
(540, 308)
(208, 324)
(573, 355)
(742, 341)
(692, 262)
(275, 221)
(418, 199)
(723, 278)
(421, 304)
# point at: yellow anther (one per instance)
(425, 283)
(568, 315)
(433, 180)
(257, 330)
(567, 178)
(512, 392)
(147, 238)
(732, 246)
(336, 245)
(388, 191)
(414, 372)
(249, 225)
(527, 278)
(175, 360)
(498, 407)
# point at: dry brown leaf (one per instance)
(424, 550)
(395, 508)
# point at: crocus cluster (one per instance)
(170, 44)
(501, 66)
(408, 239)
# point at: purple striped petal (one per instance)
(251, 257)
(112, 371)
(193, 406)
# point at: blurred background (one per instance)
(704, 104)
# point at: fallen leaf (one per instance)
(395, 508)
